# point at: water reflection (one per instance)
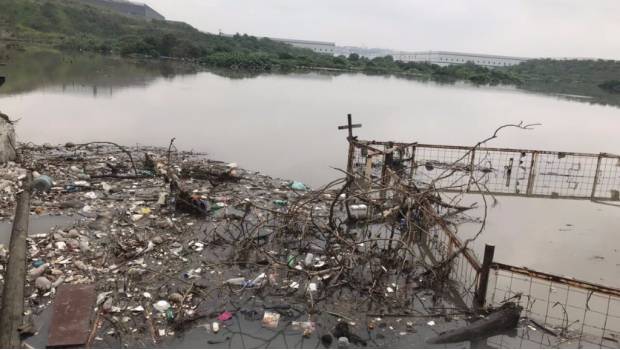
(102, 75)
(88, 74)
(285, 126)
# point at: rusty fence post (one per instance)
(483, 277)
(532, 175)
(472, 161)
(596, 176)
(385, 170)
(412, 168)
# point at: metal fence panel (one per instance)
(500, 171)
(578, 316)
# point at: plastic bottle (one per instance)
(309, 259)
(238, 281)
(258, 281)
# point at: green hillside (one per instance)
(69, 24)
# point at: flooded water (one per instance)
(38, 224)
(285, 126)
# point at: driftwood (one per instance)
(501, 320)
(215, 174)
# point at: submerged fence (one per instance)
(564, 312)
(568, 311)
(496, 171)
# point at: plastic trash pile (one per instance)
(178, 243)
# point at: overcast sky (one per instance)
(534, 28)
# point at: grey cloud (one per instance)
(535, 28)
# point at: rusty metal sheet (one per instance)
(73, 307)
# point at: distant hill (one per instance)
(75, 25)
(128, 8)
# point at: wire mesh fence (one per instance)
(375, 167)
(464, 269)
(559, 312)
(570, 313)
(498, 171)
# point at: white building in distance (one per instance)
(445, 58)
(324, 47)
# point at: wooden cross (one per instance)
(350, 126)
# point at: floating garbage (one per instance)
(246, 283)
(306, 327)
(291, 261)
(141, 249)
(42, 183)
(161, 306)
(137, 309)
(225, 316)
(309, 258)
(298, 186)
(90, 195)
(43, 284)
(176, 298)
(359, 211)
(280, 203)
(271, 320)
(237, 281)
(312, 287)
(197, 246)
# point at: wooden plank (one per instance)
(71, 318)
(13, 291)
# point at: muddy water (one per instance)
(37, 224)
(285, 126)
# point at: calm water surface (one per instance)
(285, 126)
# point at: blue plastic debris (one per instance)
(298, 186)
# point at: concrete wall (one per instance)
(7, 140)
(443, 58)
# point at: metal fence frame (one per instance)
(569, 310)
(507, 171)
(471, 279)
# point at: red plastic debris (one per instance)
(225, 316)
